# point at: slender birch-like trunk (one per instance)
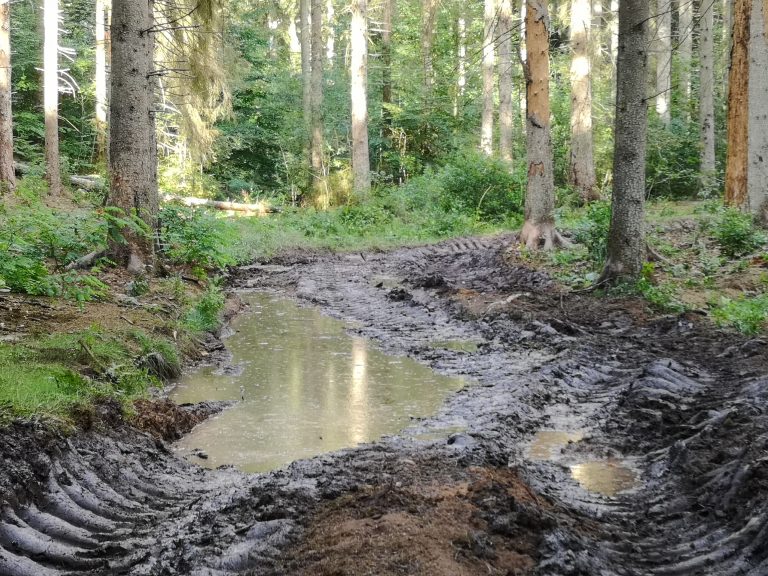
(707, 97)
(51, 95)
(506, 112)
(7, 176)
(581, 173)
(486, 128)
(361, 166)
(664, 61)
(100, 82)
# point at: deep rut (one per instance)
(682, 404)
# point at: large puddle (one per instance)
(304, 387)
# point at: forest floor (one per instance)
(667, 411)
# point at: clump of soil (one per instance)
(169, 421)
(485, 523)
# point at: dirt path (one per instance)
(680, 405)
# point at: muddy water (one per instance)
(304, 387)
(608, 477)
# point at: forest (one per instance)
(392, 287)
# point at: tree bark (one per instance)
(685, 48)
(386, 72)
(330, 40)
(428, 15)
(539, 228)
(361, 166)
(486, 128)
(664, 60)
(7, 174)
(305, 27)
(51, 95)
(132, 146)
(320, 195)
(100, 82)
(626, 239)
(581, 174)
(506, 112)
(707, 97)
(757, 177)
(461, 63)
(727, 30)
(738, 108)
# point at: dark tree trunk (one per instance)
(132, 145)
(626, 239)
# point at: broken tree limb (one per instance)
(255, 208)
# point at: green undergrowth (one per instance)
(53, 375)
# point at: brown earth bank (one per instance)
(681, 404)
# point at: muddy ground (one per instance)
(682, 404)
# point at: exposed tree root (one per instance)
(542, 237)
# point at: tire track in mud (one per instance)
(684, 404)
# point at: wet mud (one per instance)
(668, 411)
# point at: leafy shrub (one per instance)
(673, 158)
(359, 218)
(194, 237)
(592, 230)
(736, 233)
(471, 183)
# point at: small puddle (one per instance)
(608, 477)
(547, 444)
(308, 388)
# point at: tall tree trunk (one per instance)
(757, 178)
(614, 32)
(7, 176)
(330, 41)
(428, 15)
(738, 108)
(486, 128)
(361, 166)
(727, 30)
(539, 228)
(306, 67)
(581, 174)
(100, 82)
(320, 193)
(386, 72)
(132, 144)
(461, 63)
(51, 95)
(626, 239)
(685, 48)
(524, 60)
(707, 97)
(506, 112)
(664, 60)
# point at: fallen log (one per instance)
(86, 182)
(254, 208)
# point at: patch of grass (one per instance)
(204, 315)
(747, 314)
(408, 215)
(54, 374)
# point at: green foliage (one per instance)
(592, 230)
(747, 315)
(36, 244)
(205, 313)
(471, 183)
(736, 233)
(672, 160)
(194, 237)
